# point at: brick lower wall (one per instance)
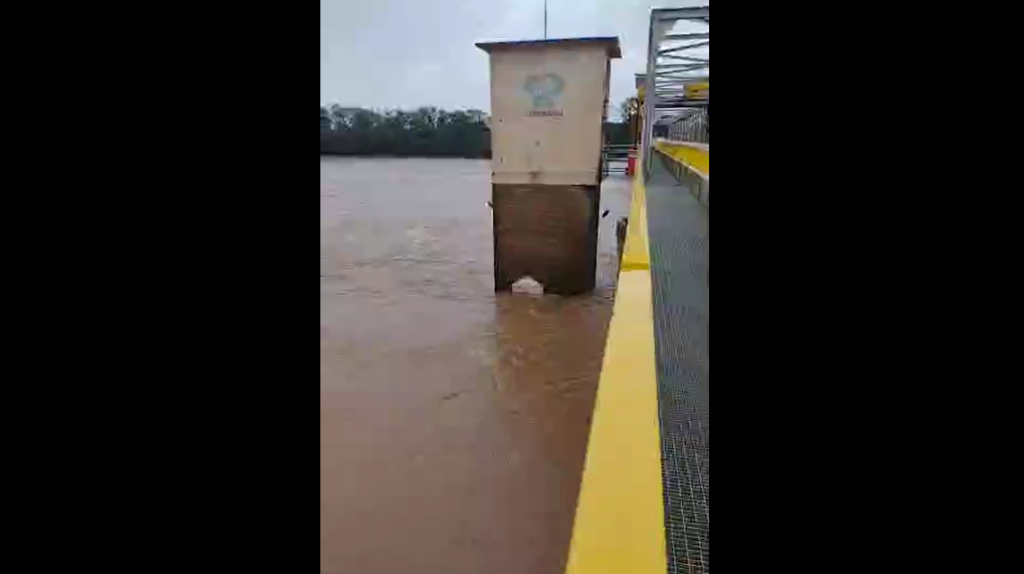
(548, 232)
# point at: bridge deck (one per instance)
(643, 505)
(678, 235)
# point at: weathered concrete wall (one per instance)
(548, 232)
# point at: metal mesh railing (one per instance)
(615, 158)
(692, 128)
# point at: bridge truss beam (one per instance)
(676, 61)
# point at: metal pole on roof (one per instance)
(545, 19)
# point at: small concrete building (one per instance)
(549, 99)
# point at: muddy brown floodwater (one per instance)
(453, 422)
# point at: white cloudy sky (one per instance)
(410, 53)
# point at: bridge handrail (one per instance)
(694, 156)
(690, 163)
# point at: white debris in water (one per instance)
(528, 286)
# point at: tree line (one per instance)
(424, 132)
(427, 131)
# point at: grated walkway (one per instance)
(678, 235)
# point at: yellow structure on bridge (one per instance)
(620, 516)
(643, 503)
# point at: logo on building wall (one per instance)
(545, 91)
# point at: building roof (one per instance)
(610, 42)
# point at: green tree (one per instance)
(627, 107)
(427, 131)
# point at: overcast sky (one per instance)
(411, 53)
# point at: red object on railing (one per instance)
(631, 162)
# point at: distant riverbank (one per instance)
(425, 132)
(329, 153)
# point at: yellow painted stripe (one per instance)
(697, 158)
(620, 518)
(635, 254)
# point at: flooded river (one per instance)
(453, 422)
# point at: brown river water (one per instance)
(453, 421)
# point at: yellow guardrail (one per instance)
(635, 253)
(695, 156)
(698, 90)
(620, 518)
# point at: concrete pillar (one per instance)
(548, 105)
